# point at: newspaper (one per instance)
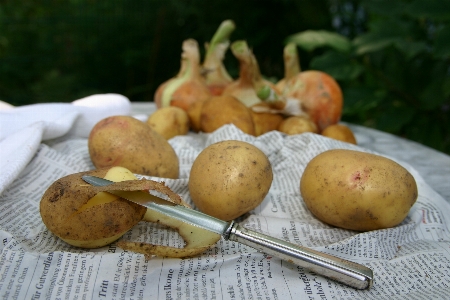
(409, 261)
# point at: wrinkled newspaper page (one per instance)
(409, 261)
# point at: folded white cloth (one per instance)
(23, 128)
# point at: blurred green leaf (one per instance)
(442, 42)
(437, 10)
(384, 7)
(339, 65)
(376, 42)
(312, 39)
(428, 133)
(410, 48)
(395, 117)
(383, 33)
(446, 87)
(390, 27)
(373, 43)
(432, 96)
(359, 100)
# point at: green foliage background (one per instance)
(391, 58)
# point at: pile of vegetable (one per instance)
(302, 101)
(344, 188)
(227, 180)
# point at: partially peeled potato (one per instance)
(89, 217)
(76, 212)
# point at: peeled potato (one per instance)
(76, 212)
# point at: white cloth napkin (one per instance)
(23, 128)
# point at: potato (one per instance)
(357, 190)
(340, 132)
(229, 178)
(130, 143)
(194, 112)
(81, 216)
(220, 110)
(297, 125)
(169, 121)
(265, 121)
(89, 217)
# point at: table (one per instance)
(413, 257)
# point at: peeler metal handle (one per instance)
(349, 273)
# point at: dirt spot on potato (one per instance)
(59, 192)
(371, 215)
(359, 178)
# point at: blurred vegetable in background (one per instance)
(396, 73)
(391, 58)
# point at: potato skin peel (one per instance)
(142, 185)
(357, 191)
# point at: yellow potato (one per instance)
(169, 121)
(194, 113)
(340, 132)
(130, 143)
(357, 190)
(297, 125)
(265, 121)
(220, 110)
(229, 178)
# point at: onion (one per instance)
(242, 88)
(214, 71)
(188, 86)
(247, 88)
(318, 95)
(312, 93)
(162, 87)
(291, 64)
